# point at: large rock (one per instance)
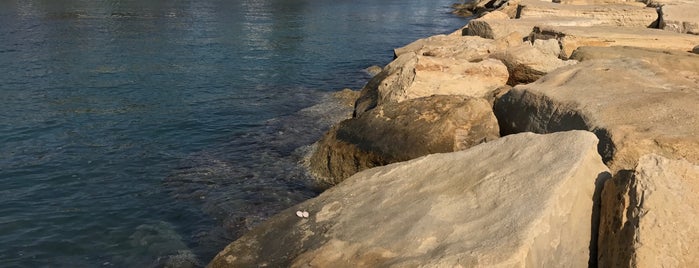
(498, 28)
(571, 37)
(397, 132)
(610, 14)
(521, 201)
(680, 17)
(413, 76)
(635, 106)
(527, 63)
(449, 46)
(648, 216)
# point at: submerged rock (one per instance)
(648, 216)
(397, 132)
(525, 200)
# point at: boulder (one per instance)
(648, 215)
(521, 201)
(498, 28)
(611, 14)
(449, 46)
(695, 50)
(527, 63)
(595, 2)
(572, 37)
(635, 106)
(397, 132)
(413, 76)
(680, 17)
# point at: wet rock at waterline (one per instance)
(635, 106)
(501, 203)
(648, 216)
(402, 131)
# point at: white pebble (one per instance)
(299, 213)
(305, 214)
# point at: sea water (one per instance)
(150, 133)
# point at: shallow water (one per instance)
(151, 133)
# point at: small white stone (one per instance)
(305, 214)
(299, 213)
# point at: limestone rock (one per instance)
(648, 216)
(498, 28)
(527, 63)
(595, 2)
(373, 70)
(572, 37)
(612, 14)
(449, 46)
(695, 50)
(521, 201)
(413, 76)
(681, 17)
(402, 131)
(635, 106)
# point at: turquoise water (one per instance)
(152, 133)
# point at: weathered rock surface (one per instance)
(449, 46)
(527, 63)
(413, 76)
(695, 50)
(571, 37)
(680, 17)
(610, 14)
(635, 106)
(521, 201)
(397, 132)
(498, 28)
(648, 216)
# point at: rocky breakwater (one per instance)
(422, 177)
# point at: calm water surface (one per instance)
(151, 133)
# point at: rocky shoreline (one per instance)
(541, 134)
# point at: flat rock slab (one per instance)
(397, 132)
(521, 201)
(681, 17)
(648, 215)
(498, 28)
(413, 76)
(608, 14)
(449, 46)
(572, 37)
(636, 106)
(527, 63)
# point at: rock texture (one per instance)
(462, 209)
(467, 48)
(527, 63)
(635, 106)
(572, 37)
(609, 14)
(498, 28)
(681, 17)
(413, 76)
(648, 216)
(402, 131)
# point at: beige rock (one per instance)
(681, 17)
(648, 216)
(527, 63)
(449, 46)
(612, 14)
(571, 37)
(498, 28)
(397, 132)
(635, 106)
(496, 14)
(412, 76)
(595, 2)
(521, 201)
